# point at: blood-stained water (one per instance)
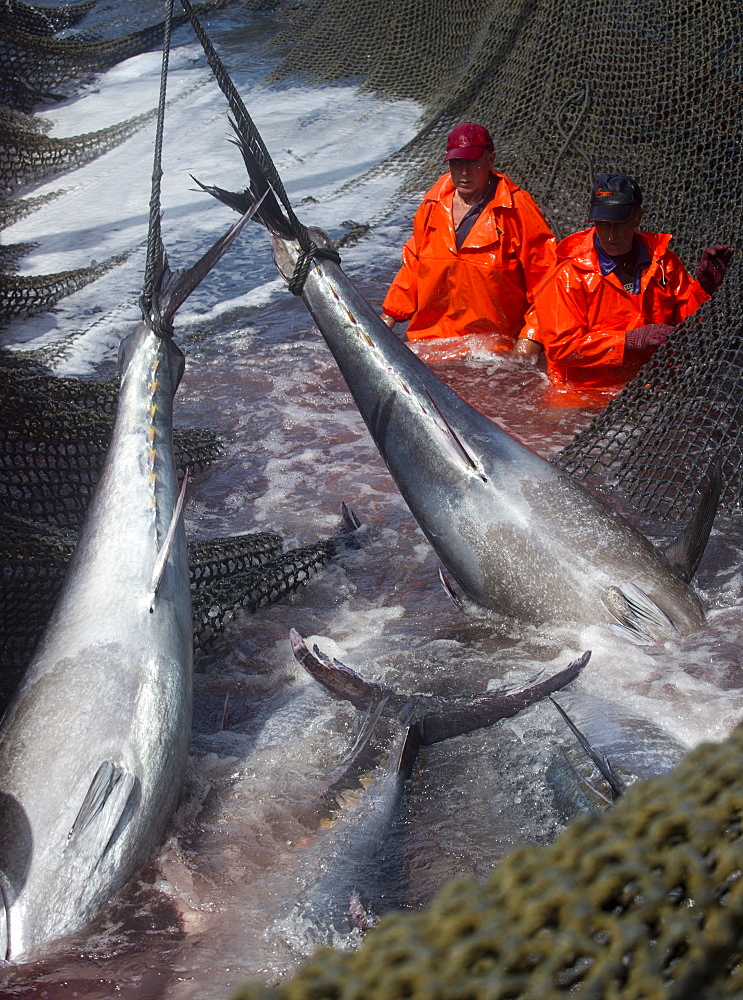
(223, 900)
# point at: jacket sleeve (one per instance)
(686, 292)
(538, 245)
(401, 300)
(562, 311)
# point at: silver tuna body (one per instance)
(94, 745)
(518, 535)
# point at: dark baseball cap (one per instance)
(613, 198)
(468, 142)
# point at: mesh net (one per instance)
(43, 20)
(27, 156)
(42, 63)
(569, 90)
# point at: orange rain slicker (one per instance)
(582, 316)
(484, 287)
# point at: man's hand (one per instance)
(389, 320)
(652, 335)
(712, 266)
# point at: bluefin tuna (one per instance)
(351, 873)
(612, 749)
(94, 744)
(517, 534)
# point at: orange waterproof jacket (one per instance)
(485, 286)
(583, 316)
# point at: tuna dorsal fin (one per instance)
(605, 769)
(102, 809)
(161, 559)
(685, 551)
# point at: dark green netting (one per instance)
(569, 90)
(41, 20)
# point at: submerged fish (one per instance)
(517, 534)
(352, 872)
(94, 744)
(612, 748)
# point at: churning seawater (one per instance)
(226, 898)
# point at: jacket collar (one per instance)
(443, 191)
(579, 248)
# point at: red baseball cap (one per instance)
(468, 142)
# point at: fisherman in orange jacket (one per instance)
(479, 246)
(615, 294)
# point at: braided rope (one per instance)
(247, 130)
(155, 250)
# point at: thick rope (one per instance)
(155, 250)
(250, 134)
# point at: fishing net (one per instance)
(13, 211)
(34, 65)
(27, 155)
(43, 20)
(26, 295)
(570, 90)
(216, 602)
(54, 433)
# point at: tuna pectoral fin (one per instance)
(642, 621)
(101, 811)
(685, 551)
(489, 708)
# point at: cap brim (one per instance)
(466, 153)
(609, 213)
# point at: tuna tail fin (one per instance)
(605, 769)
(269, 213)
(685, 552)
(174, 287)
(496, 705)
(340, 680)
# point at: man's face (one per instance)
(616, 237)
(470, 177)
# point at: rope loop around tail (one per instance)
(154, 319)
(304, 262)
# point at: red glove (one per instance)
(712, 266)
(643, 337)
